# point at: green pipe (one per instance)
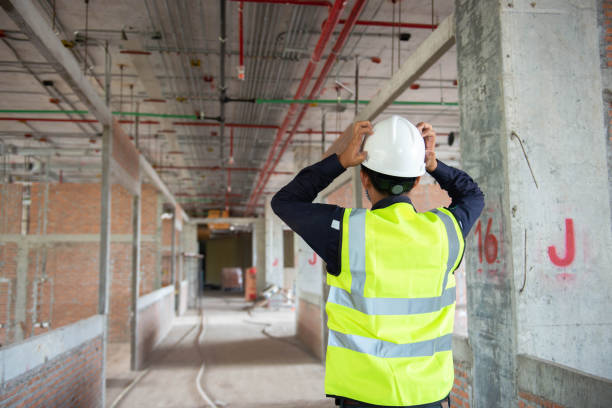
(194, 117)
(350, 101)
(84, 112)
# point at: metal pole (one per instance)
(223, 96)
(105, 223)
(134, 360)
(172, 250)
(136, 125)
(322, 132)
(356, 85)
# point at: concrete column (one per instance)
(136, 213)
(274, 246)
(259, 252)
(105, 237)
(173, 250)
(531, 123)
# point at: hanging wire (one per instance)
(393, 39)
(399, 30)
(86, 35)
(54, 15)
(121, 89)
(432, 15)
(132, 108)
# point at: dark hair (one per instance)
(386, 184)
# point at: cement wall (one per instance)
(538, 259)
(274, 247)
(182, 298)
(60, 368)
(155, 318)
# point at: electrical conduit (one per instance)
(328, 28)
(342, 37)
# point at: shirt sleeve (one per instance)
(318, 224)
(467, 201)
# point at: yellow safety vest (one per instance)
(391, 308)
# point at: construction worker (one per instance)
(390, 269)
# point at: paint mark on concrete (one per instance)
(570, 247)
(314, 259)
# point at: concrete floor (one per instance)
(252, 360)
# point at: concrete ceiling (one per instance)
(182, 39)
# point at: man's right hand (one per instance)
(352, 156)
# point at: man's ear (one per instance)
(417, 181)
(365, 179)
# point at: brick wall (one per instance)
(461, 395)
(61, 266)
(527, 400)
(73, 379)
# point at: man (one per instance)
(392, 297)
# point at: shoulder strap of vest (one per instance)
(455, 241)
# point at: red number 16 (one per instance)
(490, 243)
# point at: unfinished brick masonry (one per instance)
(56, 250)
(73, 378)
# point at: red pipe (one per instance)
(340, 41)
(391, 24)
(49, 120)
(236, 125)
(322, 3)
(206, 195)
(218, 168)
(328, 28)
(240, 33)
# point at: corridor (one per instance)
(251, 359)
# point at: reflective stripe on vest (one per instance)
(383, 369)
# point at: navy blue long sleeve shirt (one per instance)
(319, 224)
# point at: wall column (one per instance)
(259, 252)
(274, 246)
(533, 139)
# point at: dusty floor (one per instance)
(251, 360)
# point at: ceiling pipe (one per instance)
(331, 59)
(351, 101)
(392, 24)
(328, 28)
(320, 3)
(219, 168)
(241, 70)
(223, 96)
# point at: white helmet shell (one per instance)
(396, 148)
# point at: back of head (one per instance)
(396, 155)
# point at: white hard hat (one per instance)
(396, 148)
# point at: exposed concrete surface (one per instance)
(554, 106)
(490, 284)
(18, 358)
(244, 366)
(571, 388)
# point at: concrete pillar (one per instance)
(136, 215)
(274, 246)
(259, 252)
(531, 123)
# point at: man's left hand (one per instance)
(430, 145)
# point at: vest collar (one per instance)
(393, 199)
